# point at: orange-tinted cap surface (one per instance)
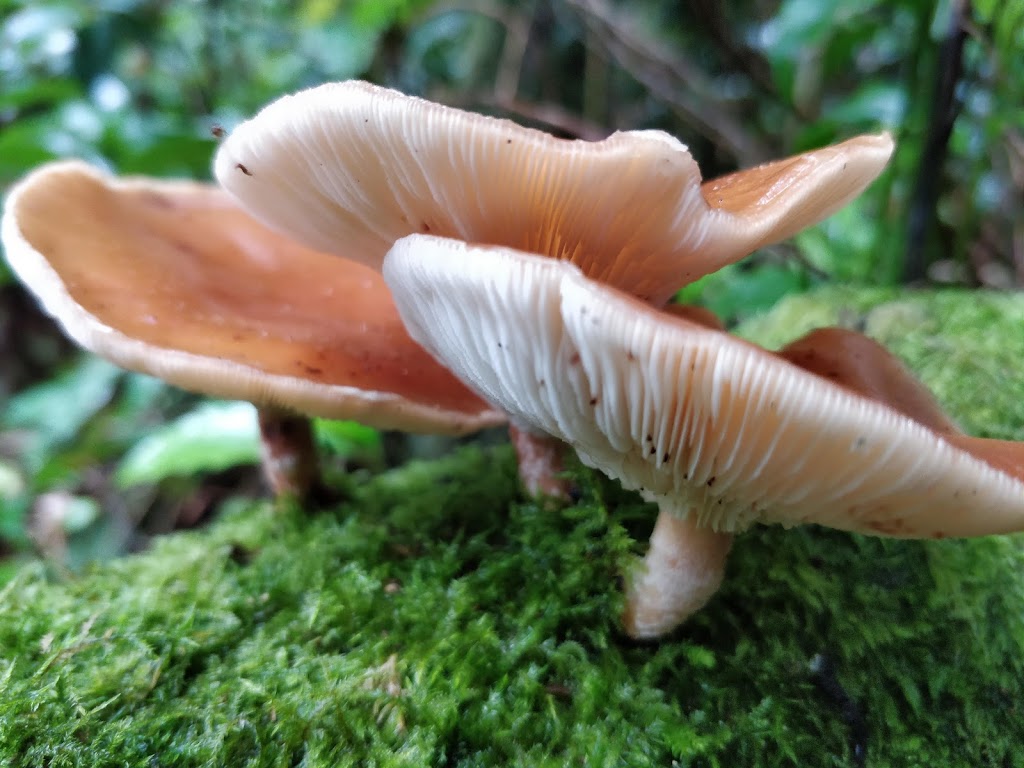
(173, 279)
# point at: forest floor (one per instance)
(436, 618)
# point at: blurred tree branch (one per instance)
(517, 24)
(674, 79)
(712, 15)
(921, 213)
(551, 115)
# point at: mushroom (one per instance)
(719, 432)
(173, 279)
(349, 168)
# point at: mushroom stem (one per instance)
(290, 459)
(682, 570)
(541, 463)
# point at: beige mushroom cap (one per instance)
(174, 280)
(350, 167)
(694, 418)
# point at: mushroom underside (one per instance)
(831, 430)
(692, 415)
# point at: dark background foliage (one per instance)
(139, 86)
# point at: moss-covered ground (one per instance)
(437, 619)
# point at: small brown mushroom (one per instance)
(351, 167)
(862, 365)
(719, 432)
(540, 462)
(174, 280)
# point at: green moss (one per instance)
(968, 346)
(438, 620)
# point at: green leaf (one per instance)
(799, 23)
(13, 513)
(59, 408)
(11, 482)
(342, 50)
(346, 437)
(873, 104)
(379, 14)
(739, 291)
(22, 146)
(844, 245)
(33, 27)
(457, 48)
(56, 413)
(211, 438)
(78, 513)
(50, 91)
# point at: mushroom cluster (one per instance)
(537, 271)
(350, 168)
(212, 300)
(565, 232)
(722, 434)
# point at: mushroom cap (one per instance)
(696, 419)
(173, 279)
(350, 167)
(862, 365)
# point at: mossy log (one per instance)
(435, 618)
